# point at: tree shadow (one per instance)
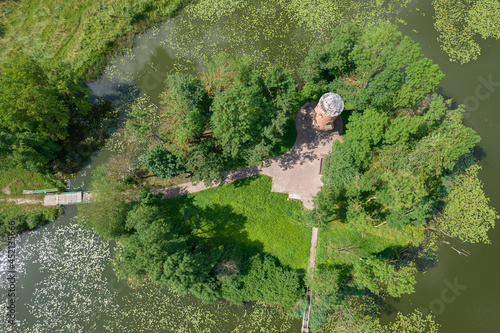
(422, 257)
(171, 192)
(88, 133)
(245, 181)
(385, 307)
(217, 224)
(478, 152)
(308, 140)
(241, 176)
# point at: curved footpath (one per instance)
(297, 172)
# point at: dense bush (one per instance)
(233, 115)
(161, 162)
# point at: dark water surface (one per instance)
(66, 283)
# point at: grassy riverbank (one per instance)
(72, 31)
(28, 216)
(54, 33)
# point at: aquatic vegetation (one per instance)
(459, 22)
(78, 292)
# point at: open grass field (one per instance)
(12, 184)
(70, 30)
(14, 181)
(246, 212)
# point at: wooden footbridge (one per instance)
(67, 198)
(305, 319)
(310, 273)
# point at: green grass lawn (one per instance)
(17, 180)
(30, 215)
(246, 212)
(25, 216)
(70, 30)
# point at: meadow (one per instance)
(78, 32)
(248, 213)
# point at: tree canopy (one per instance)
(250, 116)
(230, 115)
(391, 172)
(36, 107)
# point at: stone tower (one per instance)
(329, 107)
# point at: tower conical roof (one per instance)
(331, 104)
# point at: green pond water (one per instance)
(66, 283)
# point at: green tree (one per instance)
(266, 281)
(185, 106)
(27, 150)
(382, 47)
(381, 277)
(240, 114)
(72, 90)
(249, 117)
(148, 246)
(467, 213)
(205, 164)
(327, 62)
(156, 249)
(402, 129)
(28, 103)
(363, 132)
(442, 148)
(422, 77)
(161, 162)
(110, 204)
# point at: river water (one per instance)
(66, 283)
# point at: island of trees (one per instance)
(403, 180)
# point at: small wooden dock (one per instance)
(68, 198)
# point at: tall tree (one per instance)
(422, 77)
(327, 62)
(205, 164)
(249, 117)
(381, 277)
(161, 162)
(185, 105)
(26, 150)
(28, 103)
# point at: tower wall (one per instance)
(322, 119)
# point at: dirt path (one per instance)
(24, 200)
